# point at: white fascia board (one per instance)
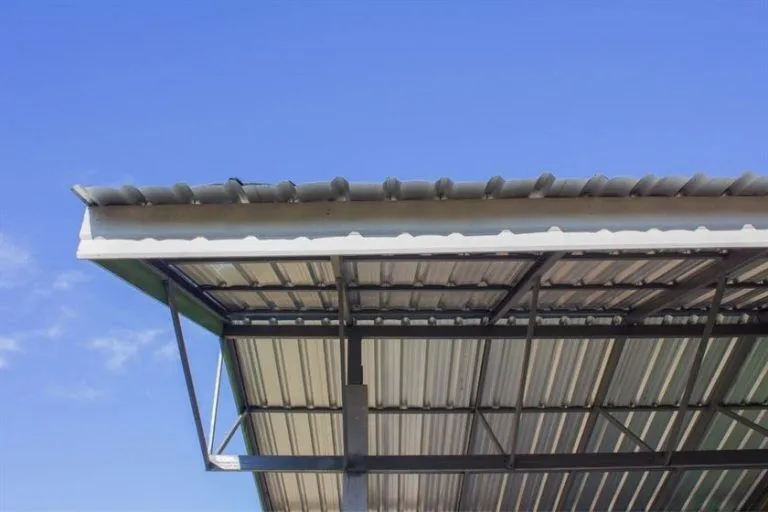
(419, 227)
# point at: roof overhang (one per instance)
(298, 280)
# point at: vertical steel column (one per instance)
(693, 373)
(169, 292)
(355, 416)
(215, 405)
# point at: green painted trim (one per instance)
(147, 280)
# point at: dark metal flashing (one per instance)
(449, 332)
(526, 463)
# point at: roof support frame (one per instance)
(693, 372)
(230, 433)
(547, 331)
(744, 421)
(728, 375)
(463, 256)
(624, 429)
(267, 409)
(732, 263)
(176, 319)
(519, 402)
(215, 404)
(527, 463)
(534, 274)
(554, 287)
(531, 279)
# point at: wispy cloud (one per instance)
(16, 263)
(80, 393)
(7, 345)
(121, 347)
(68, 279)
(167, 352)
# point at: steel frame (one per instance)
(526, 463)
(451, 332)
(355, 462)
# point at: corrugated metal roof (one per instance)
(293, 388)
(339, 189)
(420, 375)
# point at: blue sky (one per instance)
(93, 410)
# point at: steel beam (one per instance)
(744, 421)
(617, 348)
(355, 424)
(230, 434)
(450, 258)
(551, 409)
(731, 264)
(534, 274)
(529, 334)
(728, 375)
(617, 287)
(191, 289)
(491, 433)
(474, 413)
(169, 291)
(625, 430)
(693, 372)
(531, 279)
(526, 463)
(215, 405)
(600, 332)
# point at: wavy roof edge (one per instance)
(392, 189)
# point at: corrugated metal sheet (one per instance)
(661, 377)
(751, 385)
(421, 373)
(420, 273)
(413, 492)
(339, 189)
(444, 373)
(291, 372)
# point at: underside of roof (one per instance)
(599, 375)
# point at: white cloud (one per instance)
(167, 352)
(121, 347)
(16, 263)
(7, 344)
(81, 393)
(67, 279)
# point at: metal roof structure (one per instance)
(539, 344)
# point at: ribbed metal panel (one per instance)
(421, 272)
(561, 372)
(655, 371)
(291, 372)
(339, 189)
(413, 492)
(653, 427)
(612, 490)
(421, 373)
(539, 433)
(417, 434)
(482, 491)
(714, 490)
(751, 386)
(628, 271)
(288, 433)
(305, 491)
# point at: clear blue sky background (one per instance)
(93, 410)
